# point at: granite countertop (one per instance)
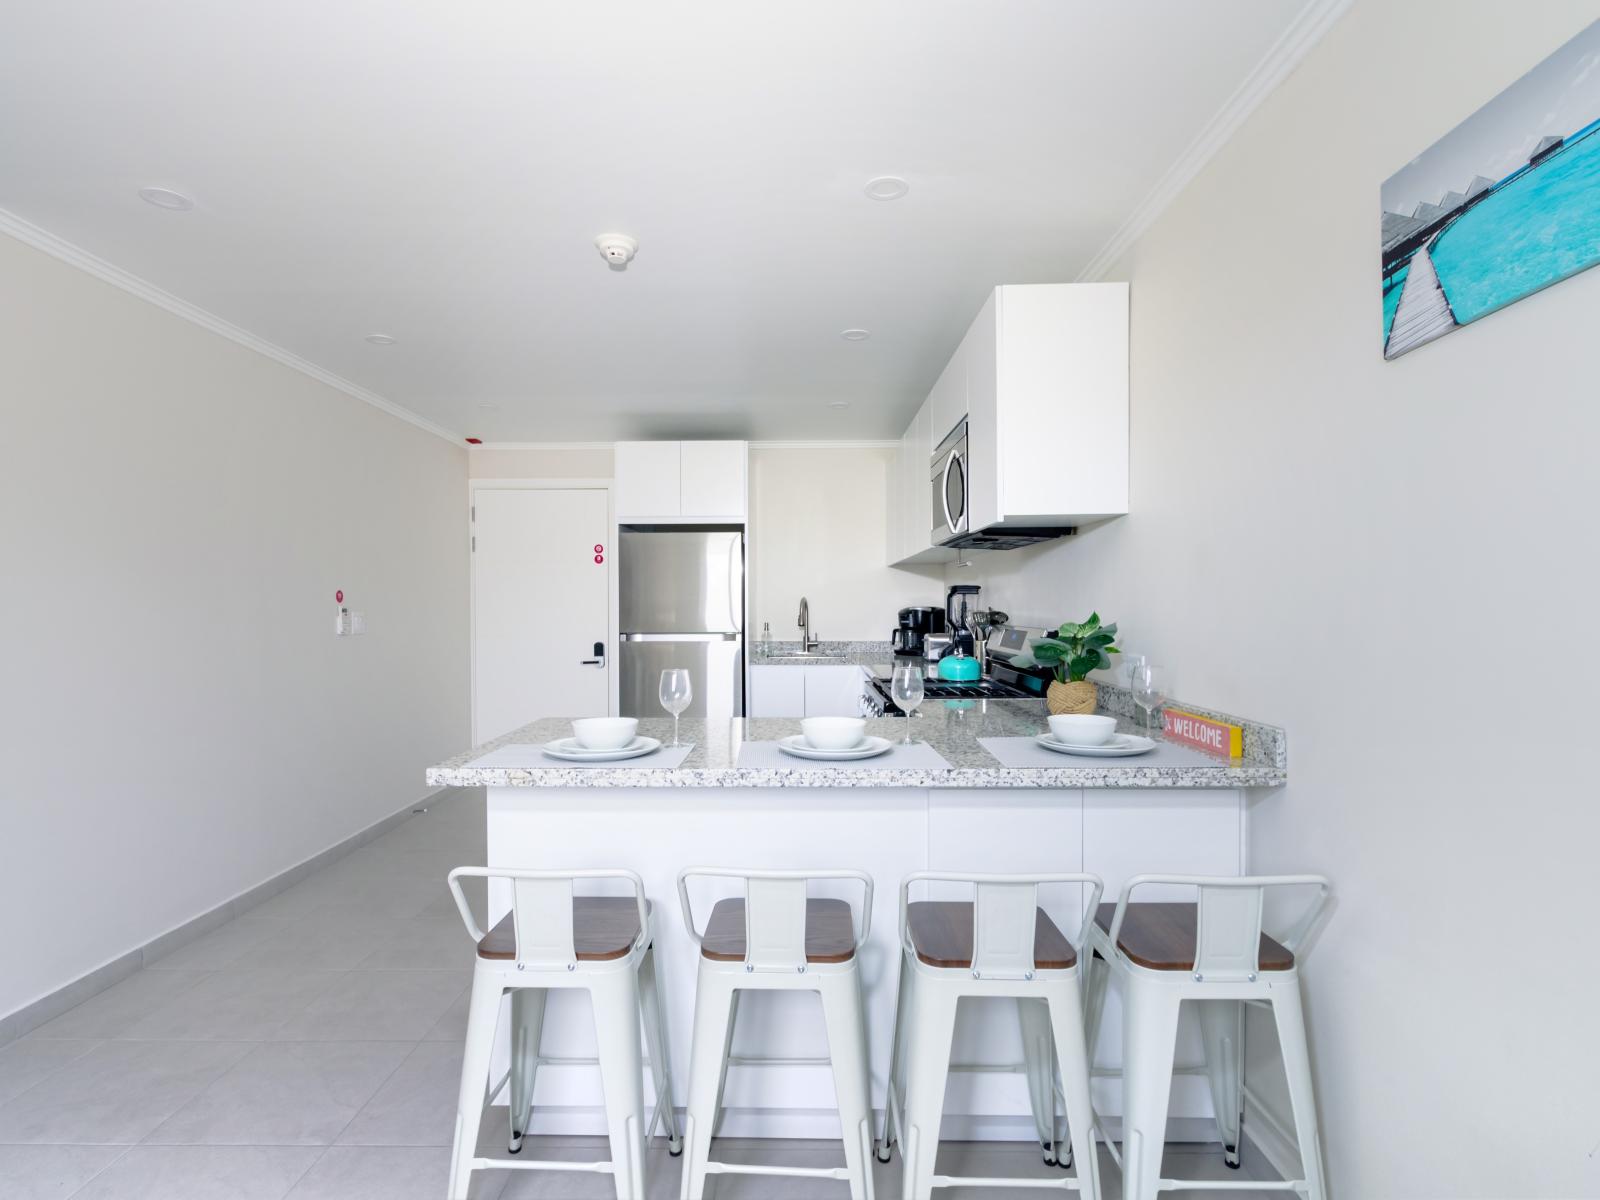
(951, 728)
(871, 655)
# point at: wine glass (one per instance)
(1147, 682)
(676, 692)
(906, 689)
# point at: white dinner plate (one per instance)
(571, 750)
(1121, 745)
(797, 745)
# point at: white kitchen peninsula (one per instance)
(1173, 810)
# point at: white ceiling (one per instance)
(438, 171)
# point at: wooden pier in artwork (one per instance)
(1423, 312)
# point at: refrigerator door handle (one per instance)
(680, 637)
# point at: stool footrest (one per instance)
(973, 1181)
(739, 1060)
(602, 1167)
(722, 1168)
(1231, 1185)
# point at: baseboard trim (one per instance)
(52, 1004)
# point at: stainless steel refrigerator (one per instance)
(682, 605)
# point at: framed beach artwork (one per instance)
(1506, 203)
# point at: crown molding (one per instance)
(834, 444)
(42, 239)
(542, 446)
(837, 444)
(1304, 32)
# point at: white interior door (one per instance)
(541, 603)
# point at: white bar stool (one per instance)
(554, 939)
(1000, 943)
(778, 937)
(1213, 951)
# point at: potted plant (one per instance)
(1076, 650)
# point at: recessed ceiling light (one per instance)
(166, 198)
(838, 404)
(380, 339)
(856, 335)
(887, 187)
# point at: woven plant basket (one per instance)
(1079, 697)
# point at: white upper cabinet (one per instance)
(1048, 360)
(947, 403)
(1041, 365)
(910, 495)
(646, 479)
(680, 481)
(712, 484)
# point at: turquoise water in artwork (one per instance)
(1391, 298)
(1540, 227)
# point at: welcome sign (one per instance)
(1203, 733)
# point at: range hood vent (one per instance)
(998, 537)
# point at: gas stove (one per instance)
(881, 704)
(1003, 681)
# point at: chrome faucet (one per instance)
(807, 642)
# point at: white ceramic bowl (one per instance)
(834, 733)
(1083, 729)
(605, 733)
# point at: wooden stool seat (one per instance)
(603, 928)
(941, 933)
(1161, 937)
(830, 931)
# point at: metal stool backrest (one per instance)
(1005, 917)
(775, 912)
(1228, 919)
(541, 910)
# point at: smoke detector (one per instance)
(617, 249)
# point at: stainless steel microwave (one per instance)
(950, 484)
(948, 479)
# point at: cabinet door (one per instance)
(907, 479)
(778, 691)
(646, 476)
(918, 498)
(981, 350)
(712, 479)
(834, 691)
(1063, 362)
(894, 511)
(948, 400)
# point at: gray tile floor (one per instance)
(309, 1050)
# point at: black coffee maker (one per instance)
(915, 625)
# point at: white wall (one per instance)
(179, 722)
(818, 529)
(1397, 562)
(554, 462)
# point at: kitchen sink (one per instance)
(803, 658)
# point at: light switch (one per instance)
(358, 623)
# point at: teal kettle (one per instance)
(959, 668)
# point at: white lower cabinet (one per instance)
(887, 832)
(834, 691)
(794, 691)
(777, 692)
